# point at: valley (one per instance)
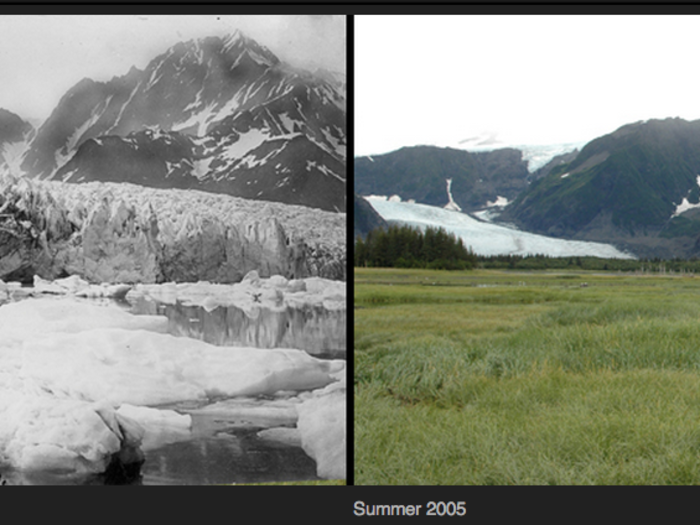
(634, 189)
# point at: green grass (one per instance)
(501, 378)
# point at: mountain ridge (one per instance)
(421, 172)
(627, 186)
(237, 110)
(637, 188)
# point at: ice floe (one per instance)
(85, 382)
(275, 293)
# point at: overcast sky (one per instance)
(42, 56)
(438, 80)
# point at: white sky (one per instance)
(42, 56)
(438, 80)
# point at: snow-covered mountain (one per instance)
(215, 114)
(486, 238)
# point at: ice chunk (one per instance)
(37, 317)
(65, 363)
(161, 427)
(52, 342)
(322, 425)
(47, 433)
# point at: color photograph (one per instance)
(526, 243)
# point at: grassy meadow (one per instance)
(493, 377)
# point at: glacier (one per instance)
(536, 155)
(486, 238)
(120, 233)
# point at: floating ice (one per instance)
(274, 293)
(78, 381)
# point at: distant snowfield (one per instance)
(536, 155)
(488, 239)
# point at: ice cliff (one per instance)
(109, 232)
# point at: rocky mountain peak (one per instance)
(221, 114)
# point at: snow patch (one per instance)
(500, 202)
(323, 169)
(685, 204)
(201, 120)
(451, 204)
(246, 142)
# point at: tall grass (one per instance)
(527, 384)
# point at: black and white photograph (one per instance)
(173, 249)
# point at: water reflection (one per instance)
(318, 331)
(227, 458)
(223, 459)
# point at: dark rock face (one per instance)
(365, 218)
(219, 115)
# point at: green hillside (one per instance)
(420, 173)
(625, 184)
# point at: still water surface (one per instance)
(236, 455)
(320, 332)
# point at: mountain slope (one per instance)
(365, 217)
(215, 114)
(420, 173)
(627, 186)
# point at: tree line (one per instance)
(435, 248)
(409, 247)
(545, 262)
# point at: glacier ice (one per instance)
(486, 238)
(123, 233)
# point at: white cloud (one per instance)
(531, 79)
